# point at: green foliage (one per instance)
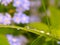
(39, 41)
(54, 27)
(3, 40)
(51, 42)
(6, 31)
(44, 40)
(54, 17)
(34, 28)
(46, 20)
(39, 26)
(56, 33)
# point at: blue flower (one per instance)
(6, 2)
(26, 4)
(20, 9)
(17, 40)
(23, 39)
(0, 0)
(23, 8)
(17, 3)
(9, 37)
(25, 19)
(1, 18)
(13, 40)
(17, 18)
(7, 19)
(20, 18)
(21, 5)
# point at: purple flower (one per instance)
(20, 18)
(17, 3)
(9, 37)
(23, 8)
(5, 2)
(23, 39)
(21, 5)
(7, 19)
(0, 0)
(20, 9)
(1, 18)
(17, 18)
(25, 19)
(17, 40)
(13, 40)
(26, 4)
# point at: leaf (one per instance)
(55, 17)
(34, 30)
(39, 41)
(55, 33)
(39, 26)
(6, 31)
(3, 40)
(44, 40)
(18, 28)
(51, 42)
(48, 39)
(46, 20)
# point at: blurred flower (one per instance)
(17, 3)
(34, 18)
(25, 19)
(36, 3)
(0, 0)
(26, 4)
(1, 18)
(6, 2)
(58, 42)
(20, 9)
(52, 2)
(7, 19)
(23, 39)
(15, 40)
(17, 18)
(20, 18)
(12, 40)
(9, 37)
(21, 5)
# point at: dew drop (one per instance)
(48, 33)
(42, 31)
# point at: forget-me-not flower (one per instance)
(20, 9)
(17, 40)
(26, 4)
(6, 2)
(21, 5)
(17, 3)
(20, 18)
(7, 19)
(12, 40)
(25, 19)
(1, 18)
(17, 18)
